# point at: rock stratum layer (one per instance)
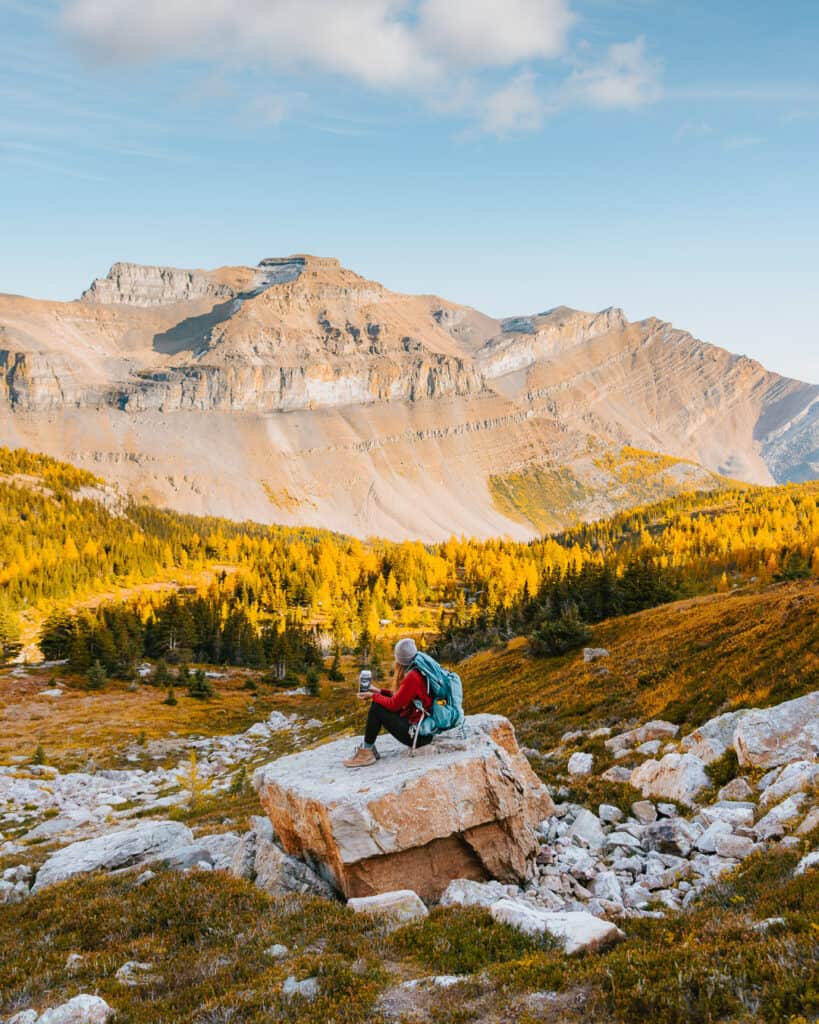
(463, 807)
(298, 392)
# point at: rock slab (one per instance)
(147, 841)
(576, 930)
(466, 806)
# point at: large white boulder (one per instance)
(147, 841)
(466, 806)
(768, 737)
(676, 777)
(576, 930)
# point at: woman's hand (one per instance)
(366, 694)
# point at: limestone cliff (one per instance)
(298, 391)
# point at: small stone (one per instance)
(73, 962)
(810, 823)
(736, 847)
(649, 748)
(667, 810)
(768, 922)
(808, 863)
(737, 789)
(776, 822)
(644, 811)
(134, 973)
(463, 892)
(707, 842)
(594, 653)
(609, 813)
(606, 886)
(306, 989)
(277, 951)
(587, 826)
(580, 764)
(617, 773)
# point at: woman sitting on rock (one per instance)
(395, 712)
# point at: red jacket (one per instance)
(413, 687)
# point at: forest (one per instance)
(65, 536)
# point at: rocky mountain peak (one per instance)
(132, 284)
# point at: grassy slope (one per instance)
(684, 662)
(207, 934)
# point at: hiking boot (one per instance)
(363, 757)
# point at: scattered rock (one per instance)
(617, 773)
(587, 826)
(277, 873)
(644, 811)
(576, 930)
(398, 907)
(737, 789)
(609, 813)
(774, 736)
(767, 923)
(808, 863)
(736, 813)
(594, 653)
(277, 951)
(463, 892)
(306, 989)
(777, 821)
(146, 841)
(736, 847)
(134, 973)
(793, 778)
(580, 764)
(82, 1009)
(73, 962)
(810, 823)
(677, 776)
(655, 730)
(710, 741)
(672, 835)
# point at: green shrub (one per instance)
(559, 636)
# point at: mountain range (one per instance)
(298, 392)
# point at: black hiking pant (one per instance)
(379, 718)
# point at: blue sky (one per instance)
(510, 154)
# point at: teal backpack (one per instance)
(447, 692)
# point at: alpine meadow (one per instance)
(424, 628)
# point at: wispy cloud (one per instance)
(479, 60)
(627, 77)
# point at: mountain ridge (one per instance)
(210, 390)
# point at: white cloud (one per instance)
(515, 107)
(444, 51)
(627, 77)
(485, 33)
